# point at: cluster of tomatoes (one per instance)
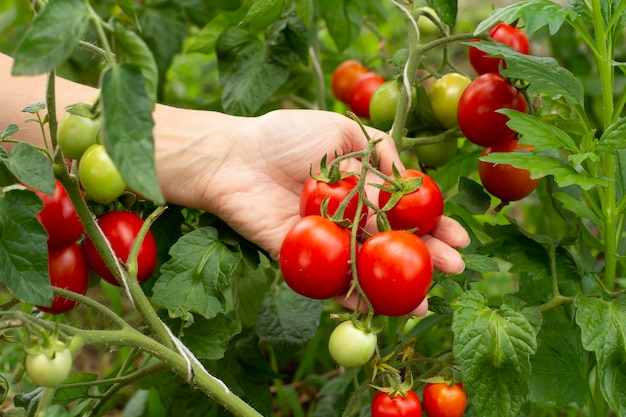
(71, 256)
(482, 124)
(354, 84)
(438, 400)
(393, 265)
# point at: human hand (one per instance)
(260, 181)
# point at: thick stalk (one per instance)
(604, 57)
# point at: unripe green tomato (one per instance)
(99, 176)
(77, 133)
(384, 103)
(426, 26)
(351, 347)
(49, 369)
(444, 95)
(434, 155)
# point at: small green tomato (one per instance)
(350, 346)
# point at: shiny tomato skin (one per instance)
(434, 155)
(76, 133)
(444, 95)
(69, 270)
(361, 95)
(443, 400)
(478, 120)
(351, 346)
(422, 209)
(59, 218)
(99, 176)
(121, 228)
(49, 369)
(315, 258)
(383, 104)
(345, 77)
(395, 271)
(503, 33)
(384, 405)
(315, 191)
(505, 181)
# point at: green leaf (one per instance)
(472, 196)
(577, 207)
(209, 339)
(132, 49)
(127, 7)
(287, 320)
(614, 137)
(206, 40)
(536, 14)
(544, 74)
(10, 130)
(23, 247)
(539, 133)
(128, 125)
(445, 9)
(560, 366)
(541, 166)
(494, 348)
(248, 292)
(480, 263)
(263, 13)
(344, 20)
(30, 167)
(603, 329)
(200, 267)
(52, 38)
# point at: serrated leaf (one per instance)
(53, 36)
(128, 125)
(23, 248)
(539, 133)
(287, 320)
(472, 196)
(200, 267)
(248, 292)
(480, 263)
(344, 20)
(445, 9)
(560, 365)
(536, 14)
(541, 166)
(543, 74)
(10, 130)
(132, 49)
(494, 348)
(577, 207)
(603, 329)
(614, 137)
(209, 339)
(263, 13)
(30, 167)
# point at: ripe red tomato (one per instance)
(59, 218)
(121, 228)
(315, 258)
(477, 115)
(443, 400)
(68, 269)
(505, 181)
(503, 33)
(345, 77)
(384, 405)
(315, 191)
(422, 209)
(395, 271)
(362, 92)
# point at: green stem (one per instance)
(44, 402)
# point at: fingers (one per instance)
(451, 232)
(387, 151)
(351, 302)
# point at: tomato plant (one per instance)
(315, 258)
(99, 176)
(68, 270)
(399, 405)
(345, 77)
(443, 400)
(351, 346)
(50, 367)
(120, 229)
(502, 33)
(362, 92)
(76, 133)
(315, 191)
(383, 104)
(59, 218)
(477, 113)
(505, 181)
(395, 271)
(419, 209)
(444, 95)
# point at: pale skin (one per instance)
(249, 171)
